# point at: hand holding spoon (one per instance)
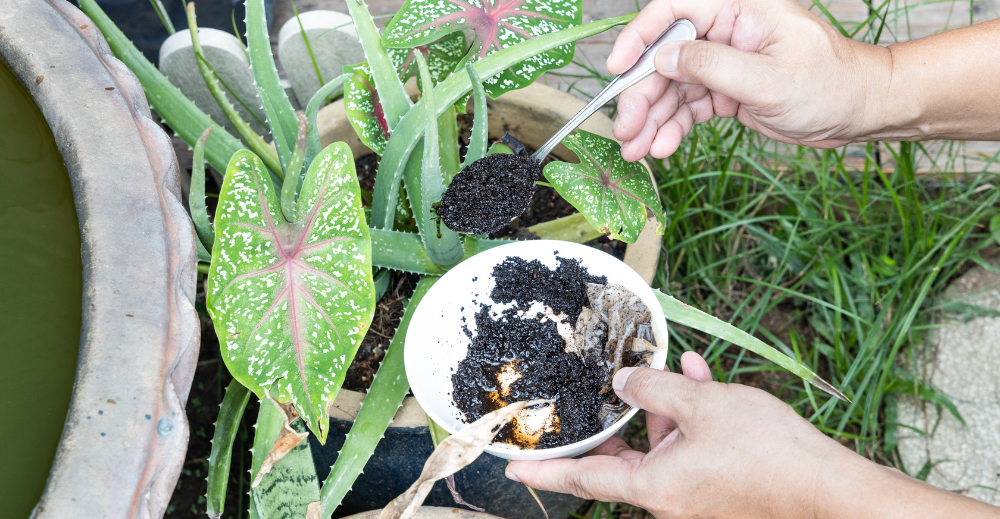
(496, 189)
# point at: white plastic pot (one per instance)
(436, 342)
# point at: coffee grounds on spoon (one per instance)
(488, 194)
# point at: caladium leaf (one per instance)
(612, 194)
(364, 111)
(292, 301)
(497, 24)
(442, 57)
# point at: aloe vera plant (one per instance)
(290, 255)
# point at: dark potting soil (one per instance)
(488, 194)
(534, 348)
(388, 314)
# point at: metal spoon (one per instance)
(681, 30)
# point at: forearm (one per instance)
(945, 86)
(857, 488)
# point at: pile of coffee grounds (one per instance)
(563, 289)
(535, 349)
(488, 194)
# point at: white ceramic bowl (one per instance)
(435, 342)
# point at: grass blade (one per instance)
(226, 427)
(386, 395)
(679, 312)
(161, 12)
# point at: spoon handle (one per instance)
(680, 30)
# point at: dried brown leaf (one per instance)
(287, 440)
(451, 455)
(315, 510)
(450, 481)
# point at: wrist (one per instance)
(891, 108)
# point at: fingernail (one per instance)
(620, 378)
(510, 475)
(666, 58)
(611, 56)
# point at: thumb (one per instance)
(604, 478)
(662, 393)
(719, 67)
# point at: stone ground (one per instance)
(963, 362)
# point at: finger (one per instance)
(604, 478)
(723, 105)
(615, 446)
(638, 147)
(694, 366)
(669, 137)
(719, 67)
(652, 20)
(666, 394)
(634, 104)
(658, 427)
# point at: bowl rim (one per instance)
(485, 262)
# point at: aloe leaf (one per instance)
(226, 427)
(398, 150)
(364, 108)
(480, 125)
(196, 197)
(496, 24)
(176, 110)
(448, 144)
(290, 188)
(689, 316)
(442, 57)
(270, 420)
(613, 194)
(402, 251)
(386, 395)
(443, 244)
(313, 144)
(279, 111)
(574, 228)
(383, 73)
(382, 279)
(291, 489)
(257, 143)
(292, 301)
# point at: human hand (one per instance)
(771, 64)
(714, 450)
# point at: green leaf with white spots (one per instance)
(364, 111)
(291, 301)
(442, 57)
(496, 25)
(612, 194)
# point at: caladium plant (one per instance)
(292, 300)
(442, 57)
(612, 194)
(497, 24)
(363, 108)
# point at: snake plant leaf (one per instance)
(363, 108)
(496, 24)
(613, 194)
(292, 301)
(442, 57)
